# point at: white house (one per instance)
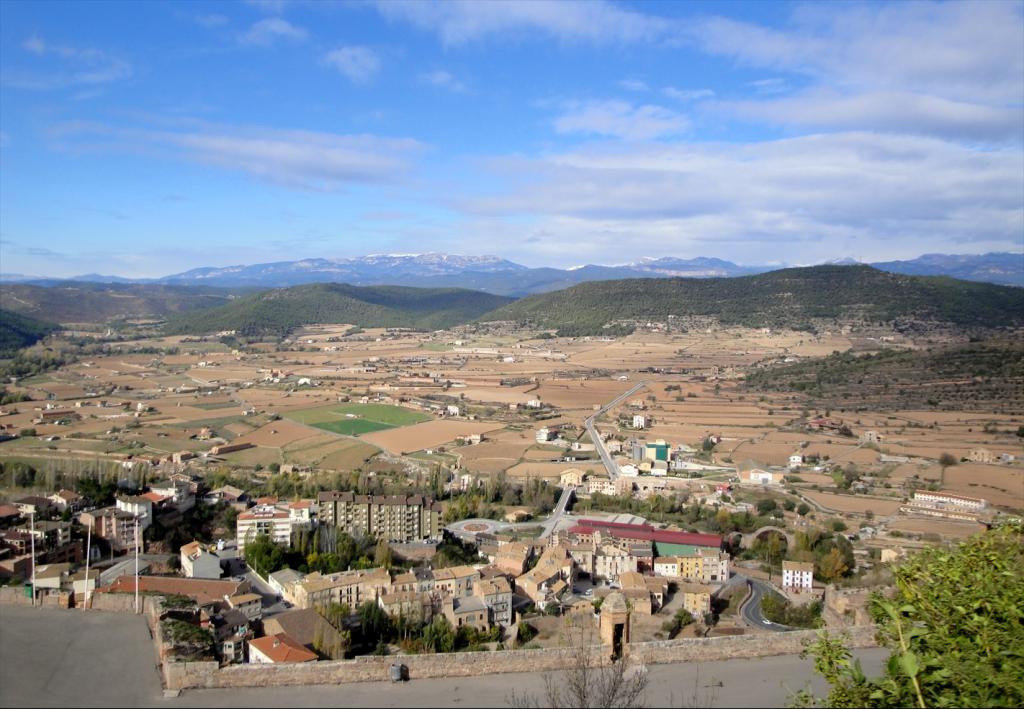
(795, 461)
(546, 434)
(639, 421)
(199, 563)
(453, 410)
(797, 576)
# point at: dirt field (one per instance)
(853, 503)
(1001, 485)
(278, 434)
(951, 528)
(425, 435)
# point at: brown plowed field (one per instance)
(425, 435)
(854, 503)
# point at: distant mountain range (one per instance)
(280, 310)
(502, 277)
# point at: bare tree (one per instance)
(591, 679)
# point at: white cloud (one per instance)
(302, 159)
(687, 94)
(634, 85)
(444, 80)
(65, 66)
(210, 21)
(797, 200)
(462, 21)
(890, 111)
(620, 119)
(360, 64)
(267, 31)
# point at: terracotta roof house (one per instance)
(278, 648)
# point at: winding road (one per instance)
(751, 608)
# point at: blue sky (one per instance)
(143, 139)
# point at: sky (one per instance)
(145, 138)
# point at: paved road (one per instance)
(609, 464)
(751, 610)
(78, 658)
(556, 514)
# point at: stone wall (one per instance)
(15, 596)
(180, 675)
(846, 607)
(743, 646)
(122, 602)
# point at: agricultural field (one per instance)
(425, 435)
(853, 503)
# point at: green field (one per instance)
(365, 418)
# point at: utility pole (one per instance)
(136, 564)
(32, 541)
(88, 553)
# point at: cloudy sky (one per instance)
(142, 139)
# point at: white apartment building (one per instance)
(263, 519)
(946, 499)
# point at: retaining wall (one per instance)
(185, 675)
(15, 596)
(740, 646)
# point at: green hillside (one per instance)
(17, 331)
(278, 311)
(973, 376)
(79, 302)
(793, 297)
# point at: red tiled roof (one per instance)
(154, 497)
(282, 648)
(646, 533)
(203, 591)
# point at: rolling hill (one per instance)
(17, 331)
(73, 302)
(276, 312)
(972, 376)
(793, 297)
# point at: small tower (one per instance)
(615, 623)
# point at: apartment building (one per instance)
(346, 587)
(114, 525)
(496, 593)
(263, 519)
(396, 518)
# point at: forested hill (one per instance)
(74, 302)
(17, 331)
(792, 297)
(278, 311)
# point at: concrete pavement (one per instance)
(77, 658)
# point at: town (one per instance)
(347, 494)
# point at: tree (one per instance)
(382, 554)
(803, 509)
(945, 460)
(955, 626)
(589, 680)
(832, 565)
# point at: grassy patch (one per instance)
(356, 419)
(353, 427)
